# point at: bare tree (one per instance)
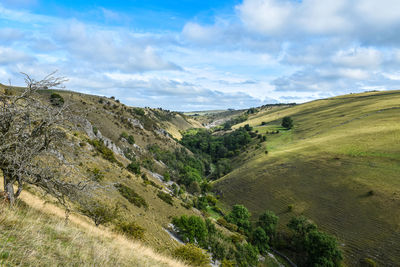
(32, 133)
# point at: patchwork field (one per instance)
(339, 165)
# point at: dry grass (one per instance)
(42, 238)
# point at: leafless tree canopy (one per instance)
(32, 131)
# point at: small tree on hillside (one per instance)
(240, 216)
(287, 122)
(268, 222)
(32, 131)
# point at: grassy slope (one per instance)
(37, 235)
(339, 149)
(85, 158)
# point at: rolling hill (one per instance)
(339, 165)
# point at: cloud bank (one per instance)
(261, 51)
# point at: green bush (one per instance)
(105, 152)
(131, 196)
(192, 255)
(191, 229)
(131, 139)
(131, 229)
(268, 221)
(137, 111)
(290, 207)
(124, 135)
(166, 197)
(99, 213)
(56, 100)
(260, 239)
(134, 167)
(287, 122)
(240, 216)
(246, 255)
(322, 249)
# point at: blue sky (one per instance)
(197, 55)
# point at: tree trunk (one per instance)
(9, 189)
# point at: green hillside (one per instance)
(339, 165)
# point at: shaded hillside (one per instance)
(339, 165)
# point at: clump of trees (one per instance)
(216, 149)
(203, 233)
(235, 120)
(311, 246)
(315, 247)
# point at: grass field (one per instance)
(339, 150)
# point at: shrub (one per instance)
(129, 154)
(287, 122)
(248, 128)
(133, 167)
(131, 229)
(290, 207)
(131, 196)
(124, 135)
(56, 100)
(131, 139)
(166, 197)
(192, 255)
(167, 177)
(99, 213)
(137, 111)
(105, 152)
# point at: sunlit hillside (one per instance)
(339, 165)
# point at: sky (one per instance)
(199, 55)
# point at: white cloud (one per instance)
(11, 56)
(265, 16)
(358, 57)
